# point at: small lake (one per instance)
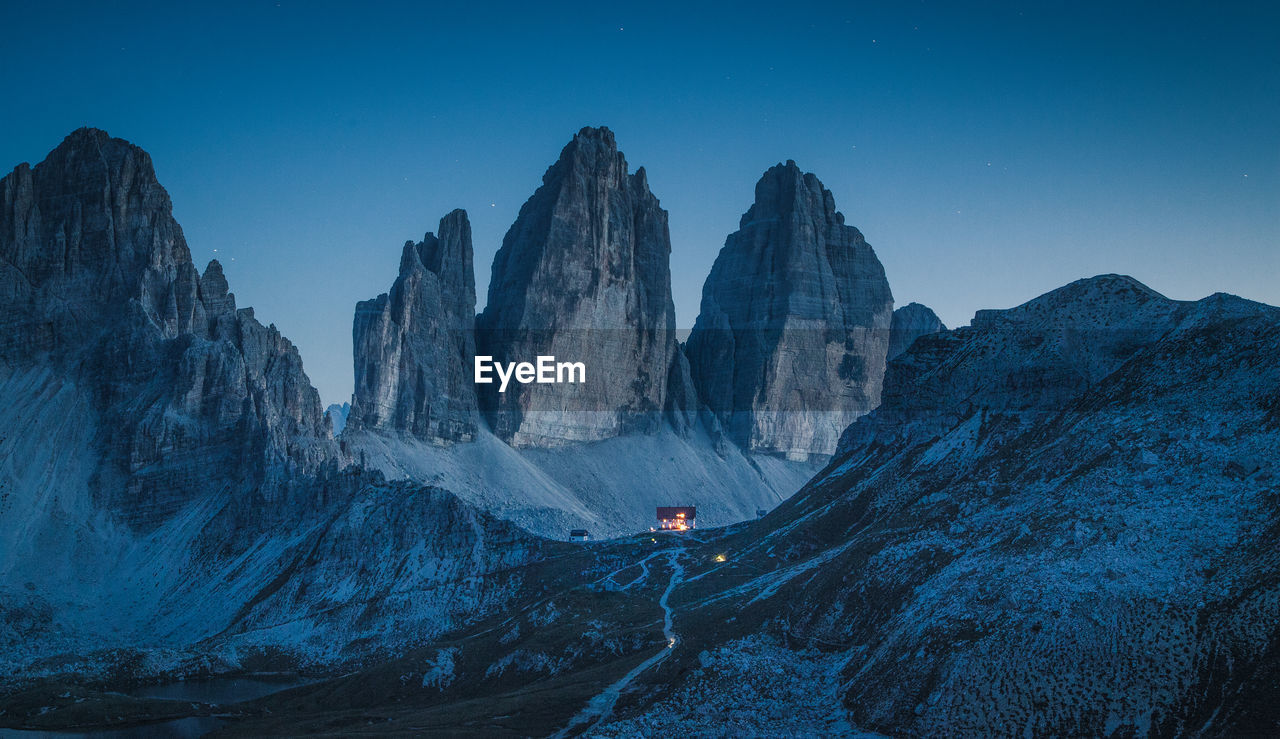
(218, 690)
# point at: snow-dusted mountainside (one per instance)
(368, 567)
(609, 487)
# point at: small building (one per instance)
(762, 512)
(579, 535)
(677, 518)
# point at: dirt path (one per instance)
(600, 707)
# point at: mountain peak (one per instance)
(910, 322)
(107, 236)
(591, 150)
(94, 148)
(87, 133)
(785, 189)
(601, 134)
(1112, 282)
(1102, 300)
(787, 170)
(1109, 289)
(105, 285)
(87, 137)
(215, 292)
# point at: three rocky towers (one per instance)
(790, 346)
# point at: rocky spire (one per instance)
(414, 346)
(790, 343)
(910, 322)
(583, 275)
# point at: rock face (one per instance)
(790, 343)
(414, 346)
(192, 395)
(910, 322)
(583, 275)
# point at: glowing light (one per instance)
(719, 557)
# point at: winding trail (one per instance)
(600, 707)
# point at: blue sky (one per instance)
(989, 153)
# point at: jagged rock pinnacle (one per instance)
(790, 343)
